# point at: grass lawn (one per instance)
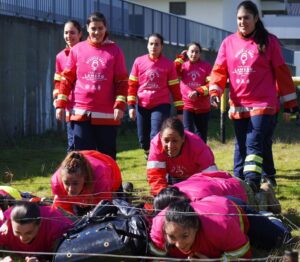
(32, 160)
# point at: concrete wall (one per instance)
(27, 62)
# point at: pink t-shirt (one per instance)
(60, 64)
(102, 184)
(53, 226)
(219, 183)
(61, 60)
(193, 75)
(219, 232)
(251, 75)
(96, 71)
(195, 156)
(154, 78)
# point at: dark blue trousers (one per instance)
(149, 122)
(268, 161)
(251, 134)
(95, 137)
(70, 137)
(264, 232)
(196, 123)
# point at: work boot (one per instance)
(261, 200)
(270, 180)
(127, 189)
(273, 204)
(253, 186)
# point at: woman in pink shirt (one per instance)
(193, 74)
(252, 60)
(177, 154)
(96, 74)
(72, 35)
(153, 77)
(214, 227)
(83, 179)
(31, 228)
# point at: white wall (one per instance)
(284, 27)
(297, 62)
(204, 11)
(217, 13)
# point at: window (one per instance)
(178, 8)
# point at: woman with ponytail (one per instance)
(83, 179)
(252, 60)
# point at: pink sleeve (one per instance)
(156, 233)
(71, 61)
(120, 66)
(3, 234)
(221, 57)
(135, 69)
(235, 241)
(172, 73)
(276, 52)
(204, 157)
(103, 177)
(219, 73)
(56, 185)
(58, 226)
(156, 167)
(208, 68)
(58, 68)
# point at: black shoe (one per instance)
(253, 186)
(298, 119)
(128, 187)
(271, 181)
(127, 191)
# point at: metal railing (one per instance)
(124, 18)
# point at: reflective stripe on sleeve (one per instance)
(156, 164)
(178, 103)
(121, 99)
(173, 82)
(62, 97)
(57, 77)
(131, 98)
(210, 168)
(289, 97)
(232, 255)
(133, 78)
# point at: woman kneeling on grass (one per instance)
(178, 153)
(31, 228)
(83, 179)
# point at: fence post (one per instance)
(223, 116)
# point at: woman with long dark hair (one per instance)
(252, 60)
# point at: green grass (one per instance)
(32, 160)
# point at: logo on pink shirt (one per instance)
(153, 75)
(178, 171)
(245, 68)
